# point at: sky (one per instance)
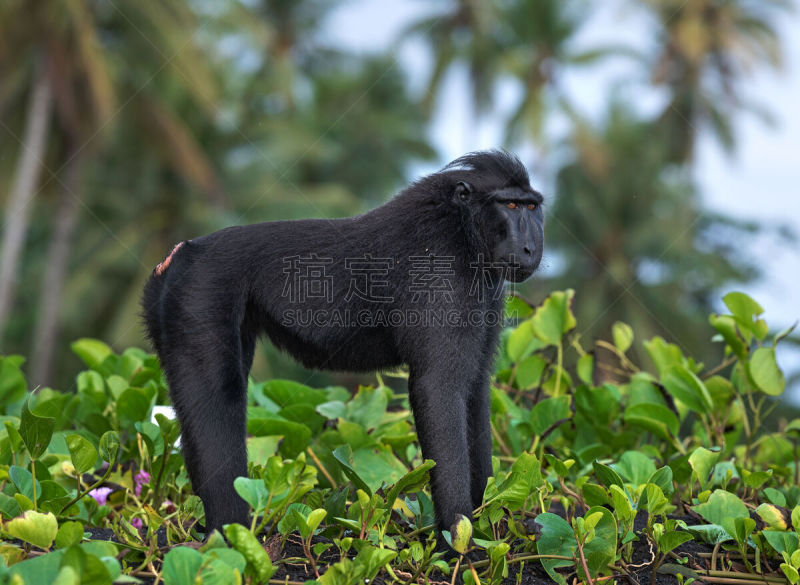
(759, 182)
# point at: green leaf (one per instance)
(585, 368)
(635, 467)
(702, 462)
(623, 336)
(133, 405)
(314, 519)
(655, 418)
(92, 352)
(35, 431)
(109, 446)
(746, 311)
(548, 412)
(781, 541)
(726, 325)
(671, 540)
(258, 561)
(181, 566)
(607, 475)
(723, 508)
(554, 317)
(602, 549)
(764, 370)
(522, 342)
(688, 388)
(663, 479)
(344, 455)
(743, 528)
(82, 453)
(410, 482)
(461, 534)
(34, 527)
(664, 355)
(622, 503)
(529, 372)
(296, 436)
(69, 533)
(556, 538)
(253, 491)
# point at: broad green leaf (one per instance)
(109, 446)
(655, 418)
(607, 475)
(181, 566)
(723, 508)
(296, 436)
(23, 481)
(726, 325)
(378, 466)
(635, 467)
(410, 482)
(82, 453)
(133, 405)
(664, 355)
(602, 549)
(258, 561)
(702, 462)
(688, 388)
(663, 479)
(781, 541)
(746, 312)
(764, 370)
(35, 431)
(92, 351)
(558, 539)
(671, 540)
(253, 491)
(554, 317)
(69, 533)
(622, 503)
(548, 412)
(344, 455)
(529, 372)
(34, 527)
(522, 342)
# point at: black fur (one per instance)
(206, 305)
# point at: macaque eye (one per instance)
(531, 206)
(511, 205)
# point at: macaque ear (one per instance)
(462, 190)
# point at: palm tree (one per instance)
(525, 40)
(90, 54)
(629, 227)
(705, 50)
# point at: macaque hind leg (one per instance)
(208, 386)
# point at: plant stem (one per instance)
(33, 474)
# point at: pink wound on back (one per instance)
(165, 264)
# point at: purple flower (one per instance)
(100, 494)
(136, 523)
(141, 478)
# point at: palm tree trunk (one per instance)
(47, 326)
(26, 179)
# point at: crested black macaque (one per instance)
(416, 281)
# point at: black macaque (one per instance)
(416, 281)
